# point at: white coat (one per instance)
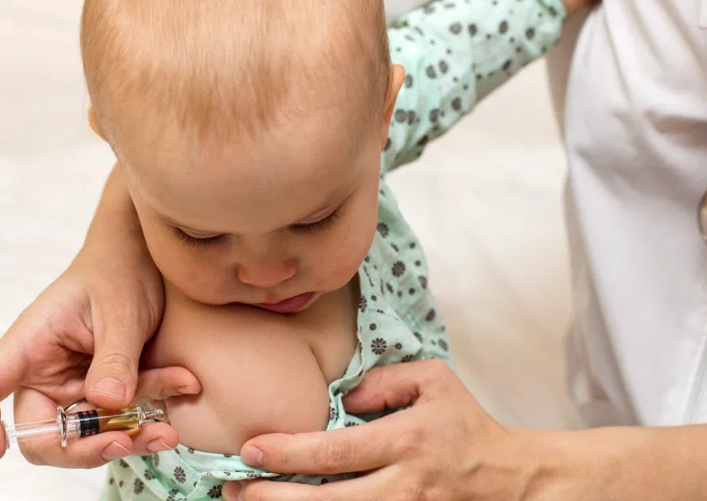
(635, 124)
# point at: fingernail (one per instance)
(114, 451)
(253, 456)
(157, 445)
(186, 390)
(110, 386)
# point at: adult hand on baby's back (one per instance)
(445, 447)
(82, 339)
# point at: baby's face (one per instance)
(275, 221)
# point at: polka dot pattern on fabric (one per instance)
(470, 48)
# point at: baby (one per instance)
(253, 137)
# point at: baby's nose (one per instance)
(264, 275)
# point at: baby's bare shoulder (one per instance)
(257, 373)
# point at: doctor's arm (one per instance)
(447, 448)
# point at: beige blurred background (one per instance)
(486, 201)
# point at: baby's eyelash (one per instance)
(322, 225)
(190, 241)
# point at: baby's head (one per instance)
(249, 133)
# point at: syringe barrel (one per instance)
(93, 422)
(22, 432)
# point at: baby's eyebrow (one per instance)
(176, 224)
(195, 231)
(329, 207)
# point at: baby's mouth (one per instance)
(290, 305)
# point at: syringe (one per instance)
(82, 424)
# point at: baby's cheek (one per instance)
(203, 281)
(346, 254)
(197, 278)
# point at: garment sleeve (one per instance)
(455, 52)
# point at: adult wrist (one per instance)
(116, 225)
(567, 465)
(617, 464)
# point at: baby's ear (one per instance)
(397, 77)
(94, 123)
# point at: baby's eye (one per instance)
(321, 225)
(192, 241)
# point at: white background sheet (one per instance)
(485, 200)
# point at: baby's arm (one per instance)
(258, 371)
(455, 54)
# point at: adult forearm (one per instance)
(115, 221)
(653, 463)
(626, 464)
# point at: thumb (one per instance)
(112, 378)
(394, 386)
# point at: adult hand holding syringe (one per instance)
(45, 359)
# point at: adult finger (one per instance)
(155, 437)
(396, 386)
(353, 449)
(85, 453)
(160, 384)
(88, 452)
(365, 488)
(112, 378)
